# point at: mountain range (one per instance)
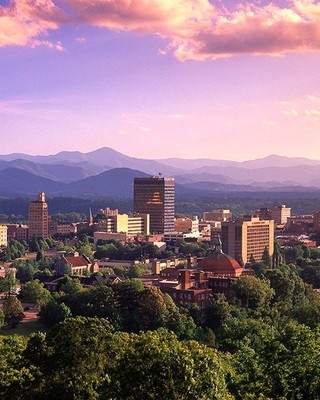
(109, 173)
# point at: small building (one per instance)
(76, 264)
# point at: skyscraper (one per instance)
(155, 196)
(38, 217)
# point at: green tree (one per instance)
(78, 358)
(14, 375)
(155, 365)
(1, 319)
(253, 293)
(13, 311)
(35, 292)
(8, 283)
(54, 312)
(26, 270)
(71, 286)
(218, 311)
(266, 258)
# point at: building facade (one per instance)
(38, 217)
(280, 214)
(246, 238)
(217, 215)
(316, 222)
(186, 224)
(3, 235)
(156, 196)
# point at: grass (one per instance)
(24, 329)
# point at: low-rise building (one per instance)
(75, 264)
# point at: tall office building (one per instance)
(280, 214)
(3, 235)
(246, 238)
(155, 196)
(38, 217)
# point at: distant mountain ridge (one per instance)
(107, 172)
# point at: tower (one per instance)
(38, 217)
(155, 196)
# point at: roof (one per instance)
(220, 263)
(79, 261)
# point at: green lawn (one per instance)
(24, 329)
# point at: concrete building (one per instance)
(3, 235)
(38, 217)
(316, 222)
(155, 196)
(109, 211)
(175, 236)
(299, 225)
(123, 223)
(264, 214)
(280, 214)
(247, 237)
(190, 225)
(62, 228)
(217, 215)
(22, 232)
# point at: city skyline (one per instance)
(157, 79)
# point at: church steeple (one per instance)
(90, 219)
(218, 245)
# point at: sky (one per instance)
(161, 78)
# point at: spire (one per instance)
(90, 219)
(218, 245)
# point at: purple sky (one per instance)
(160, 78)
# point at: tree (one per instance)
(276, 256)
(14, 376)
(13, 311)
(53, 313)
(71, 286)
(284, 364)
(253, 293)
(78, 358)
(155, 365)
(26, 270)
(266, 259)
(1, 319)
(218, 311)
(35, 292)
(8, 283)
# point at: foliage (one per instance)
(8, 283)
(13, 311)
(71, 286)
(35, 292)
(54, 312)
(253, 294)
(155, 365)
(15, 249)
(26, 270)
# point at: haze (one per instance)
(157, 79)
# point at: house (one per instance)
(75, 264)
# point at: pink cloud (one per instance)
(24, 21)
(194, 29)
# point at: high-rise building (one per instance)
(155, 196)
(246, 238)
(38, 217)
(280, 214)
(3, 235)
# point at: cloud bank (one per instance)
(194, 29)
